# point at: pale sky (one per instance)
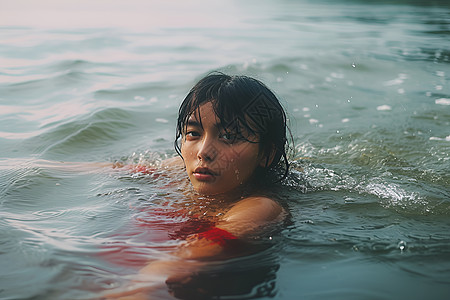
(134, 14)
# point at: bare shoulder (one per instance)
(252, 213)
(258, 207)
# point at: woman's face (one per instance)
(216, 161)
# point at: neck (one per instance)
(236, 194)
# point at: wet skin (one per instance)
(217, 162)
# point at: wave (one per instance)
(399, 174)
(100, 128)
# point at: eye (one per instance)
(192, 134)
(229, 137)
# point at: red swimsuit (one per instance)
(155, 228)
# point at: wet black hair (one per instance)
(245, 107)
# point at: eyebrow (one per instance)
(194, 123)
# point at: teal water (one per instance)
(365, 85)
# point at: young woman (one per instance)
(231, 138)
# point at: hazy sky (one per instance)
(113, 13)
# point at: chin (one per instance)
(207, 192)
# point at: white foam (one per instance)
(396, 81)
(399, 80)
(337, 75)
(442, 101)
(384, 107)
(393, 194)
(434, 138)
(161, 120)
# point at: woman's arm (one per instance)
(89, 167)
(82, 167)
(247, 217)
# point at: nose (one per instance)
(207, 151)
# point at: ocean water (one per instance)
(365, 85)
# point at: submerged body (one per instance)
(221, 231)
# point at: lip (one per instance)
(204, 174)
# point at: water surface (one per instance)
(365, 85)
